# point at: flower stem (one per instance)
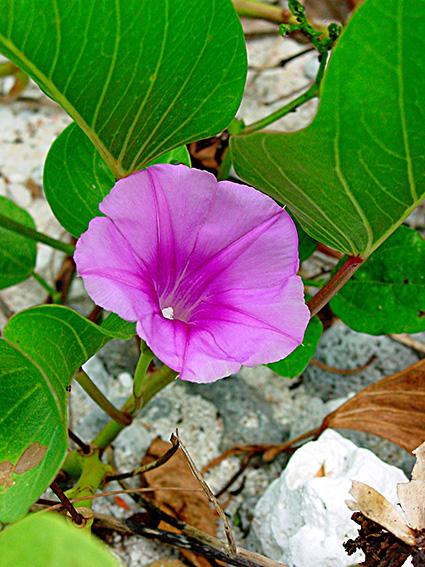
(311, 93)
(152, 383)
(10, 224)
(145, 359)
(262, 11)
(332, 286)
(55, 295)
(101, 400)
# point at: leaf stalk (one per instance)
(332, 286)
(10, 224)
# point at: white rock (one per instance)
(302, 519)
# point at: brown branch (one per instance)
(83, 446)
(211, 548)
(76, 517)
(344, 372)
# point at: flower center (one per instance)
(168, 312)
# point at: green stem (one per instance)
(332, 286)
(311, 93)
(263, 11)
(145, 359)
(152, 383)
(55, 295)
(92, 476)
(14, 226)
(101, 400)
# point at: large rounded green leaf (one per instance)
(76, 178)
(358, 170)
(18, 254)
(387, 293)
(42, 349)
(46, 540)
(140, 77)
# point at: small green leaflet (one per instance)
(295, 363)
(48, 540)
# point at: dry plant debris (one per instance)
(385, 537)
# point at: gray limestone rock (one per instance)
(342, 347)
(247, 415)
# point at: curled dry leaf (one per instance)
(393, 408)
(190, 504)
(412, 494)
(376, 507)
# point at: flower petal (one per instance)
(257, 326)
(177, 219)
(112, 275)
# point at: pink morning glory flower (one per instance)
(206, 268)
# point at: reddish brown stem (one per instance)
(325, 294)
(76, 517)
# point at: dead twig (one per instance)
(209, 493)
(344, 372)
(145, 468)
(407, 340)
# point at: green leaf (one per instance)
(139, 77)
(358, 170)
(42, 349)
(387, 293)
(17, 253)
(295, 363)
(48, 540)
(306, 245)
(76, 178)
(118, 328)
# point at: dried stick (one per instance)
(209, 493)
(145, 468)
(211, 547)
(83, 446)
(408, 341)
(344, 372)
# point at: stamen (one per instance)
(168, 312)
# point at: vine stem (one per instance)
(10, 224)
(76, 517)
(325, 294)
(263, 11)
(100, 399)
(55, 295)
(311, 93)
(150, 385)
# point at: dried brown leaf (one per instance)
(191, 506)
(377, 508)
(393, 408)
(412, 494)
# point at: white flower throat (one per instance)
(168, 312)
